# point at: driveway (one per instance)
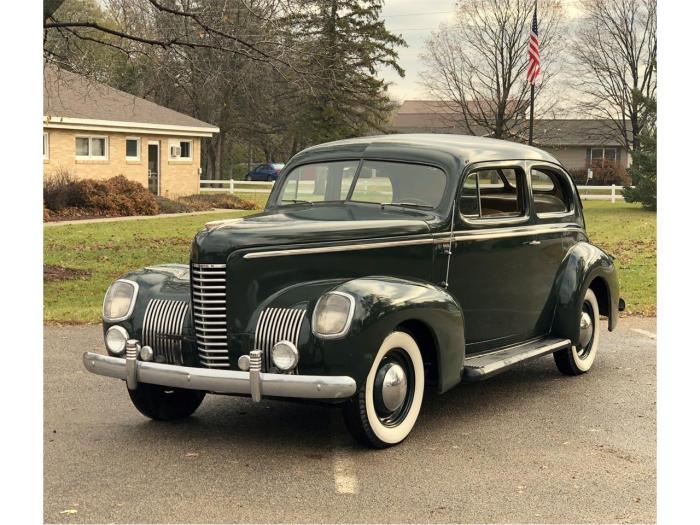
(529, 445)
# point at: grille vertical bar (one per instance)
(209, 314)
(163, 322)
(274, 325)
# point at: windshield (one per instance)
(385, 183)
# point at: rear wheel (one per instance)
(165, 403)
(386, 408)
(579, 358)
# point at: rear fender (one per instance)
(585, 266)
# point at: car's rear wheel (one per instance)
(579, 358)
(165, 403)
(386, 407)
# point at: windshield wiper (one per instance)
(407, 204)
(297, 201)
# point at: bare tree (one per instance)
(615, 54)
(478, 64)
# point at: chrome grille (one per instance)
(209, 314)
(162, 329)
(274, 325)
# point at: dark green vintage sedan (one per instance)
(380, 267)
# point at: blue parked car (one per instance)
(266, 172)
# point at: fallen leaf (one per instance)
(69, 511)
(192, 455)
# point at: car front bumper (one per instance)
(254, 383)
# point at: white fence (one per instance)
(601, 193)
(598, 193)
(234, 186)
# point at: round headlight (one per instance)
(332, 315)
(115, 339)
(119, 300)
(285, 355)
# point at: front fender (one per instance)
(165, 281)
(381, 305)
(585, 266)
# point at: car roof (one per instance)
(467, 148)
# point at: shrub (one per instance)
(58, 190)
(170, 206)
(606, 175)
(116, 196)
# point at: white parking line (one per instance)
(344, 473)
(650, 335)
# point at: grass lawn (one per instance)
(629, 233)
(106, 250)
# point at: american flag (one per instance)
(533, 52)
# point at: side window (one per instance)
(551, 194)
(492, 193)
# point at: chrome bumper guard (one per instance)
(254, 383)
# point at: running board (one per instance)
(486, 365)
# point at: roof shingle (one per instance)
(68, 95)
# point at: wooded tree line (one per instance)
(477, 64)
(274, 75)
(279, 75)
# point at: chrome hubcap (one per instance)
(586, 332)
(394, 387)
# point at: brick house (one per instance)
(94, 131)
(577, 143)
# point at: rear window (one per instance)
(550, 193)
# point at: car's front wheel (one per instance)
(165, 403)
(248, 178)
(579, 358)
(386, 407)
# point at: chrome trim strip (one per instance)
(343, 248)
(223, 381)
(481, 234)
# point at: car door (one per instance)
(489, 273)
(556, 230)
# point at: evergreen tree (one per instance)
(346, 42)
(643, 169)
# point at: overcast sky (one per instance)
(414, 20)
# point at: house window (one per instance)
(180, 149)
(602, 156)
(90, 148)
(46, 146)
(133, 148)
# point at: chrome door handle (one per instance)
(533, 243)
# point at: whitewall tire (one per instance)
(386, 408)
(580, 357)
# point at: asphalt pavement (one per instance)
(529, 445)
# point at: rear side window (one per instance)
(492, 193)
(551, 194)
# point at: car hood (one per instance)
(306, 224)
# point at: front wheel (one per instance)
(386, 407)
(248, 178)
(579, 358)
(165, 403)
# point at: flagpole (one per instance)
(532, 97)
(532, 112)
